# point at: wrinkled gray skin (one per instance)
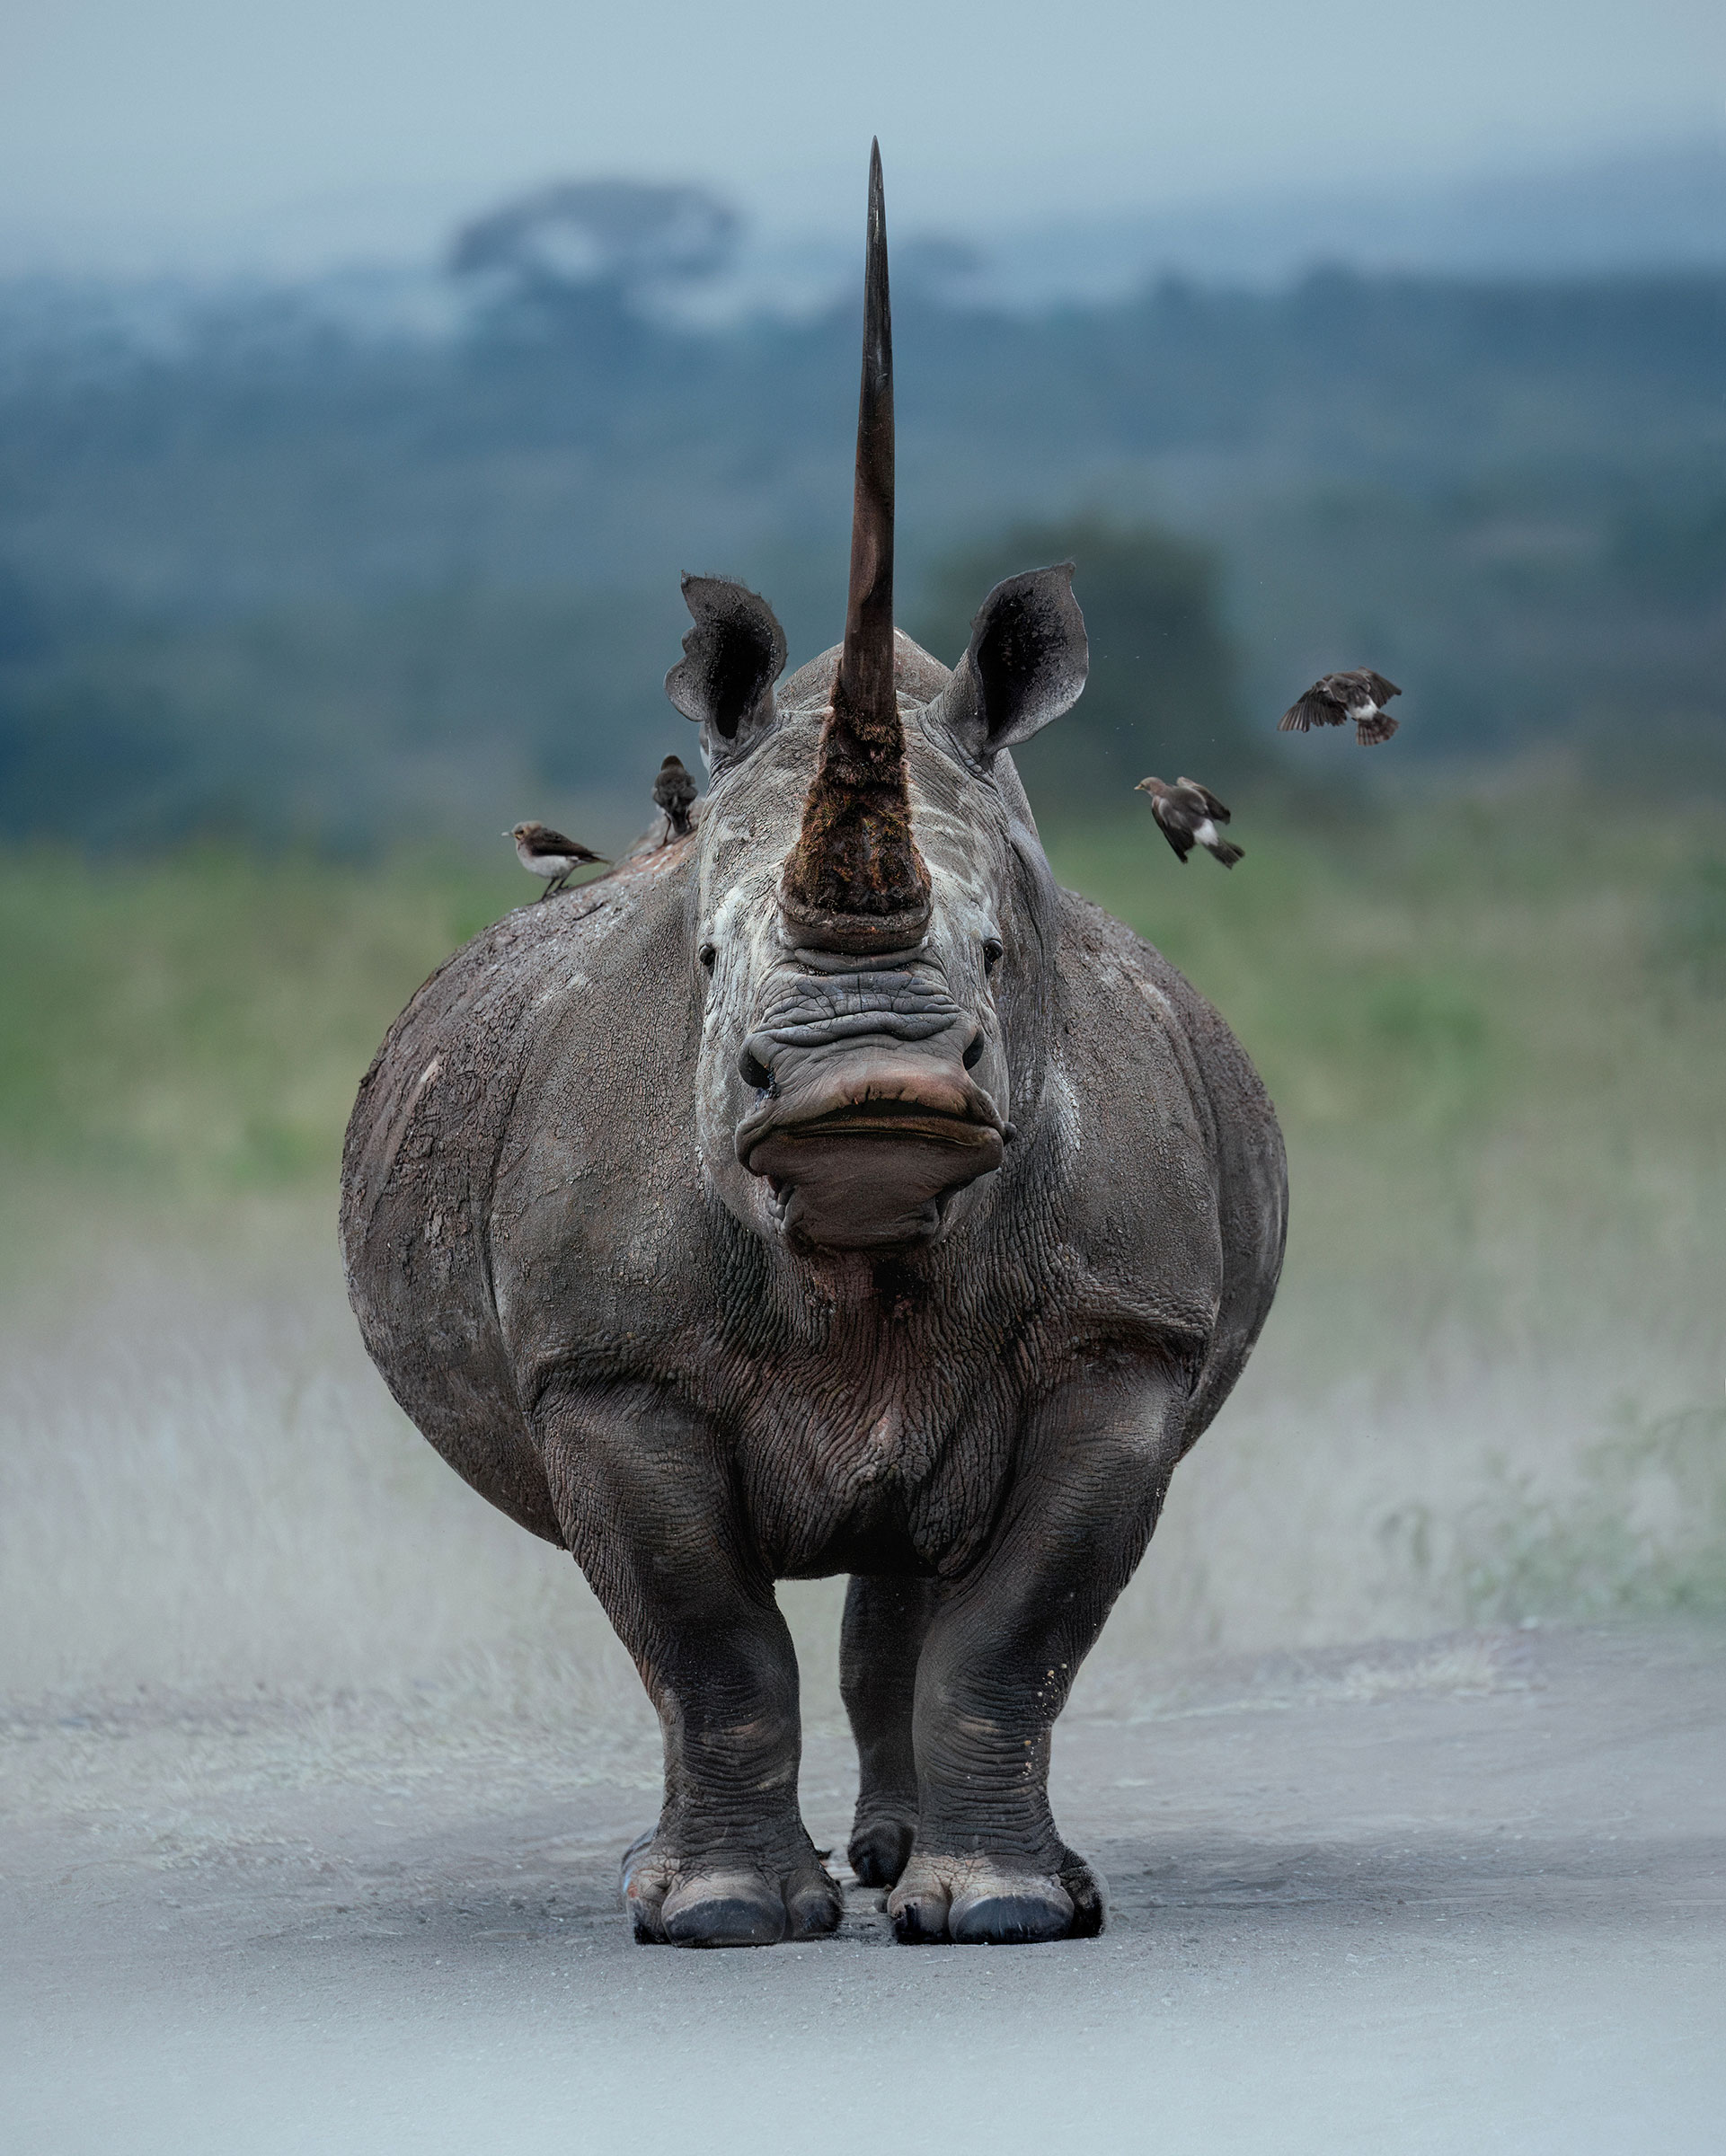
(951, 1341)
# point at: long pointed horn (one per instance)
(854, 879)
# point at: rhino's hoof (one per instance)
(879, 1849)
(814, 1905)
(987, 1917)
(1088, 1891)
(687, 1902)
(919, 1920)
(723, 1909)
(975, 1902)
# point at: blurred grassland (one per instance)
(190, 1029)
(1494, 1029)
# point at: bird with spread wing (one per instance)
(1360, 695)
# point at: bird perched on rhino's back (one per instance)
(674, 792)
(1188, 814)
(1360, 695)
(547, 854)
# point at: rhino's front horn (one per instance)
(854, 881)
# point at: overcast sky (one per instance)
(150, 132)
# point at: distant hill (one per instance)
(271, 568)
(1642, 211)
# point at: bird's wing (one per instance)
(1382, 690)
(1317, 707)
(1169, 823)
(555, 842)
(1214, 808)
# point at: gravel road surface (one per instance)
(1464, 1896)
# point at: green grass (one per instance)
(1494, 1029)
(1495, 1034)
(195, 1028)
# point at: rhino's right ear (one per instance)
(732, 657)
(1026, 662)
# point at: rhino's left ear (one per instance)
(732, 657)
(1026, 662)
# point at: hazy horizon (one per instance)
(185, 138)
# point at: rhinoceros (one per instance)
(826, 1191)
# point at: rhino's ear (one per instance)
(732, 657)
(1026, 662)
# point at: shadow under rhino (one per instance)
(827, 1192)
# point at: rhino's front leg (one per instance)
(647, 1507)
(988, 1865)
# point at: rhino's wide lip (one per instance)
(880, 1119)
(793, 1157)
(938, 1107)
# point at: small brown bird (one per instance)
(674, 790)
(1188, 814)
(543, 852)
(1361, 696)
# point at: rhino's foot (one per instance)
(982, 1901)
(727, 1898)
(879, 1847)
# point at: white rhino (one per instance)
(828, 1191)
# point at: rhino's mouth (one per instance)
(895, 1118)
(861, 1182)
(867, 1117)
(876, 1172)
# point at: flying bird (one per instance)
(1188, 814)
(543, 852)
(674, 790)
(1360, 695)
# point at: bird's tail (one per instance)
(1380, 727)
(1226, 852)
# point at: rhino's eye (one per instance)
(707, 954)
(992, 953)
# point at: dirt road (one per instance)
(1468, 1896)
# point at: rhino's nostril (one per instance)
(754, 1071)
(974, 1054)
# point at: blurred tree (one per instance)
(584, 247)
(1161, 694)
